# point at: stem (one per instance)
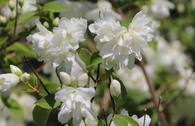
(154, 99)
(177, 96)
(16, 20)
(41, 82)
(57, 73)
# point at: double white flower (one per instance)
(76, 104)
(161, 8)
(103, 10)
(59, 46)
(117, 44)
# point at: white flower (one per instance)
(134, 80)
(115, 88)
(161, 8)
(118, 45)
(140, 32)
(143, 121)
(59, 46)
(75, 104)
(106, 30)
(71, 31)
(103, 10)
(15, 70)
(75, 8)
(7, 82)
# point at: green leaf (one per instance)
(85, 55)
(48, 102)
(3, 40)
(22, 49)
(3, 2)
(101, 123)
(40, 116)
(51, 87)
(124, 120)
(25, 16)
(13, 106)
(54, 6)
(153, 44)
(95, 60)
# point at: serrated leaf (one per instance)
(48, 102)
(23, 49)
(54, 6)
(85, 55)
(40, 116)
(124, 120)
(25, 16)
(13, 106)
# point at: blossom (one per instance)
(8, 81)
(58, 46)
(118, 45)
(103, 10)
(161, 8)
(134, 79)
(75, 8)
(76, 104)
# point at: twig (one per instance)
(16, 20)
(162, 118)
(177, 96)
(57, 73)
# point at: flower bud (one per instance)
(46, 24)
(15, 70)
(65, 78)
(3, 20)
(21, 2)
(55, 21)
(82, 80)
(25, 77)
(12, 15)
(73, 80)
(115, 88)
(11, 4)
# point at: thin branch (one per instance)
(177, 96)
(57, 73)
(16, 20)
(162, 118)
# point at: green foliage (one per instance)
(3, 2)
(85, 55)
(22, 49)
(26, 16)
(51, 87)
(13, 106)
(47, 102)
(40, 116)
(124, 120)
(54, 6)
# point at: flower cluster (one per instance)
(118, 45)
